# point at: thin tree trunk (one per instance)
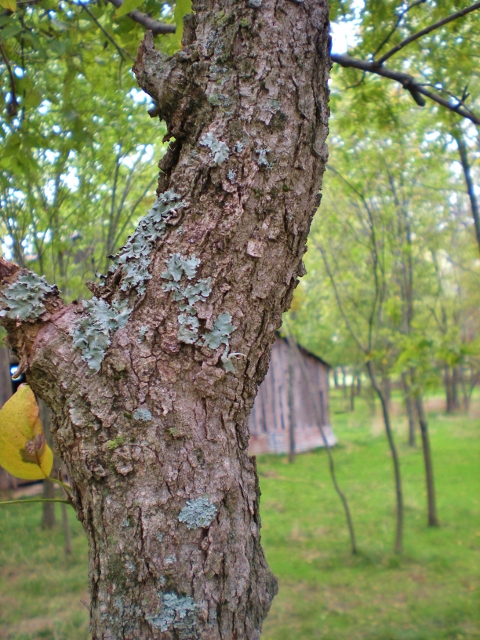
(152, 381)
(447, 378)
(319, 415)
(427, 458)
(335, 378)
(462, 150)
(352, 394)
(344, 383)
(465, 396)
(455, 385)
(291, 403)
(359, 384)
(409, 409)
(396, 463)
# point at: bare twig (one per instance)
(427, 30)
(105, 33)
(407, 81)
(145, 20)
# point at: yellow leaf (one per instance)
(24, 452)
(9, 4)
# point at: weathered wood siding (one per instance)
(269, 420)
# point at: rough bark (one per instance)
(155, 441)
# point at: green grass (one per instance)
(430, 593)
(41, 592)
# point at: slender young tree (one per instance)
(152, 380)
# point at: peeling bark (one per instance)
(156, 440)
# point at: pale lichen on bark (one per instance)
(162, 421)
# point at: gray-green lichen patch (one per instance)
(141, 334)
(198, 514)
(23, 299)
(262, 157)
(92, 332)
(142, 415)
(178, 612)
(255, 4)
(188, 332)
(226, 360)
(220, 332)
(179, 267)
(218, 150)
(231, 175)
(134, 258)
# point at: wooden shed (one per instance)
(270, 418)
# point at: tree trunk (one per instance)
(335, 378)
(465, 394)
(386, 386)
(396, 463)
(151, 383)
(455, 390)
(447, 378)
(352, 393)
(344, 383)
(359, 384)
(410, 410)
(427, 458)
(462, 150)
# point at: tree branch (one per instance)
(462, 150)
(407, 81)
(105, 32)
(399, 19)
(427, 30)
(146, 21)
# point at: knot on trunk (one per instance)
(172, 82)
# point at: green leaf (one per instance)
(182, 7)
(11, 31)
(127, 6)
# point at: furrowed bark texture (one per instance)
(156, 440)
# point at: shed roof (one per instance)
(306, 352)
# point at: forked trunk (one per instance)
(152, 382)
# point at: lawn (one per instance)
(431, 592)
